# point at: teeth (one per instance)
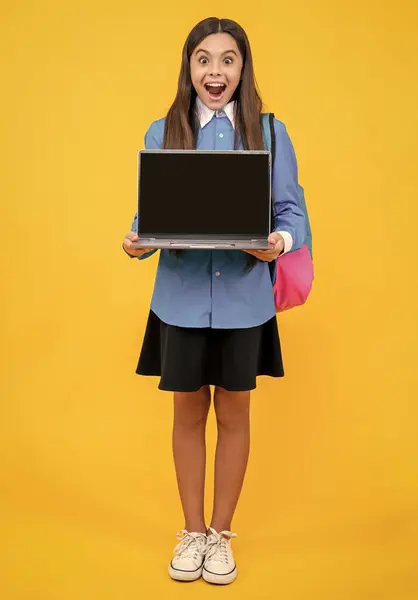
(215, 84)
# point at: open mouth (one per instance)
(215, 90)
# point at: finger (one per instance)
(127, 244)
(133, 252)
(265, 258)
(132, 236)
(268, 257)
(259, 252)
(133, 244)
(265, 252)
(264, 255)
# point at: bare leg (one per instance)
(189, 450)
(232, 450)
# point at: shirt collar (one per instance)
(205, 114)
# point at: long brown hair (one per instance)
(181, 126)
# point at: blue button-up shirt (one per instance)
(203, 288)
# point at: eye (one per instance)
(203, 60)
(228, 61)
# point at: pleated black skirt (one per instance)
(187, 359)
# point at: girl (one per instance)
(212, 318)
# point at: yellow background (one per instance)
(88, 498)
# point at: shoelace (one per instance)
(191, 544)
(217, 547)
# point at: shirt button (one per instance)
(221, 135)
(217, 273)
(221, 113)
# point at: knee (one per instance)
(191, 409)
(232, 409)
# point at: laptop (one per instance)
(194, 199)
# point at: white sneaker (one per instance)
(187, 564)
(219, 564)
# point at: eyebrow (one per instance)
(226, 52)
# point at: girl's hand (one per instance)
(130, 239)
(268, 255)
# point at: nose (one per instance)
(215, 69)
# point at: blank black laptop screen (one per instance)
(183, 193)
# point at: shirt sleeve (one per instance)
(153, 141)
(289, 219)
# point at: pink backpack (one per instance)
(293, 279)
(292, 273)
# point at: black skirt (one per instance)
(187, 359)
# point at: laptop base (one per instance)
(191, 244)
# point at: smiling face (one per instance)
(215, 69)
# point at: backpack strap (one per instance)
(272, 138)
(267, 122)
(267, 125)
